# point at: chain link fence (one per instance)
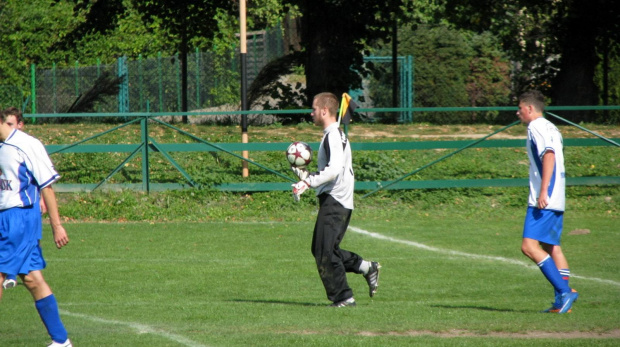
(427, 78)
(153, 84)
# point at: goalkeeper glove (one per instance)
(300, 172)
(298, 189)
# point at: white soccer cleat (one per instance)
(9, 283)
(64, 344)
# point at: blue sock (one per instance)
(565, 275)
(48, 310)
(551, 272)
(11, 277)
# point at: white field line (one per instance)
(139, 328)
(467, 255)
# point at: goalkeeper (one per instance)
(334, 185)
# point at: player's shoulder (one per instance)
(24, 141)
(22, 137)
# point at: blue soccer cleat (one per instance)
(567, 300)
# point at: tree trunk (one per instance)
(574, 83)
(328, 51)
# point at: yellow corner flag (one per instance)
(347, 107)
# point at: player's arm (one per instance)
(60, 234)
(335, 164)
(548, 164)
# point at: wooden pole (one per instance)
(244, 84)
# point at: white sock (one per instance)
(364, 267)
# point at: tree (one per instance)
(183, 20)
(108, 30)
(334, 36)
(557, 44)
(453, 68)
(28, 30)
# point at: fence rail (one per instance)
(148, 145)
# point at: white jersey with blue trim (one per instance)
(543, 136)
(25, 169)
(334, 161)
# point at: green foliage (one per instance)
(28, 29)
(556, 44)
(452, 68)
(377, 166)
(334, 37)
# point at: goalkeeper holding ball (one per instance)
(334, 185)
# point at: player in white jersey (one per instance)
(334, 183)
(26, 175)
(15, 119)
(545, 214)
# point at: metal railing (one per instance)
(149, 145)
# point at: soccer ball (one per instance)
(299, 154)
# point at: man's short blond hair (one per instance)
(328, 100)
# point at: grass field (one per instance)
(448, 279)
(207, 268)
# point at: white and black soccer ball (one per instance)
(299, 154)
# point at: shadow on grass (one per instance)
(279, 302)
(481, 308)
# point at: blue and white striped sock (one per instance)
(551, 272)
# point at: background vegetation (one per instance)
(471, 53)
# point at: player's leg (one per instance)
(560, 261)
(532, 250)
(46, 305)
(356, 264)
(352, 261)
(2, 277)
(325, 240)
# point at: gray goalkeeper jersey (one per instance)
(335, 175)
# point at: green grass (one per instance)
(205, 268)
(255, 284)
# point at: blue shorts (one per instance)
(20, 230)
(543, 225)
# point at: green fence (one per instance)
(154, 83)
(148, 145)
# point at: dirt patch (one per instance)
(579, 232)
(613, 334)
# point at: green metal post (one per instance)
(161, 83)
(54, 87)
(145, 154)
(33, 87)
(254, 54)
(77, 79)
(197, 78)
(178, 65)
(98, 75)
(411, 87)
(403, 89)
(140, 84)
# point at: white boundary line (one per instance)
(467, 255)
(139, 328)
